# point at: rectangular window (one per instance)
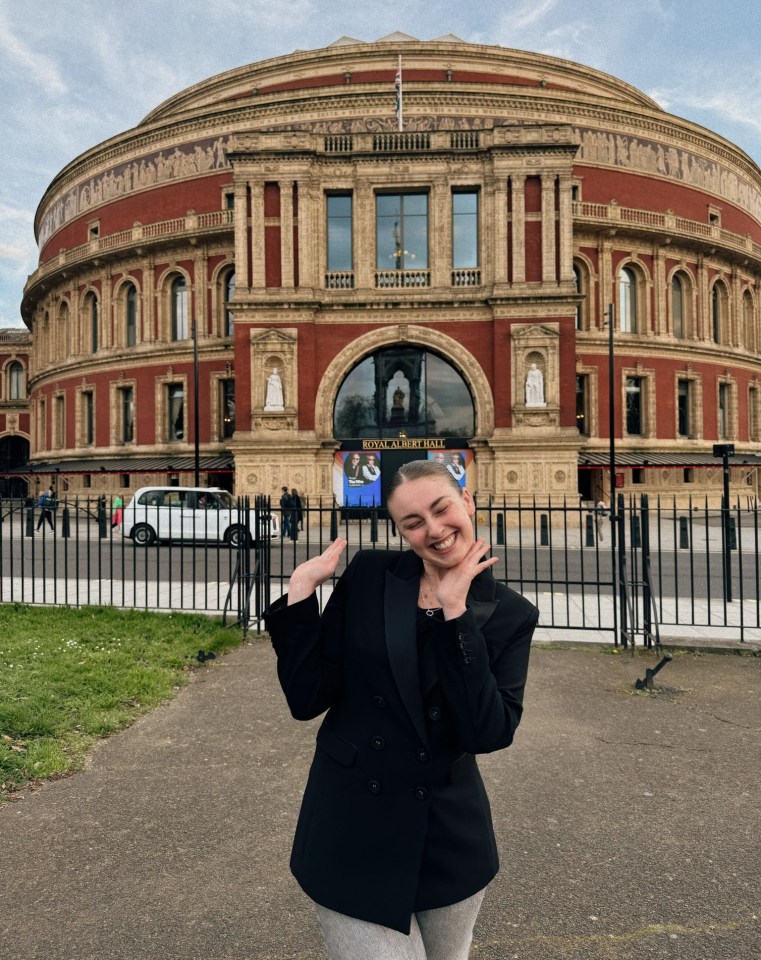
(465, 228)
(124, 481)
(339, 233)
(754, 420)
(582, 416)
(689, 475)
(683, 398)
(401, 231)
(723, 411)
(88, 417)
(86, 480)
(175, 411)
(634, 406)
(638, 475)
(128, 415)
(60, 423)
(227, 409)
(42, 424)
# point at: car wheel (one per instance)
(143, 535)
(236, 536)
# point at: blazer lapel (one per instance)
(400, 609)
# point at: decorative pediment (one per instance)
(272, 335)
(529, 331)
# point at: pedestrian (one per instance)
(420, 659)
(46, 503)
(298, 508)
(117, 513)
(286, 509)
(601, 512)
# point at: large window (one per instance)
(88, 417)
(718, 312)
(634, 419)
(684, 408)
(340, 262)
(403, 392)
(130, 307)
(401, 231)
(228, 287)
(127, 414)
(227, 408)
(91, 316)
(724, 402)
(465, 228)
(627, 300)
(180, 321)
(175, 411)
(16, 389)
(582, 404)
(677, 307)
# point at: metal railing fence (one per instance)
(643, 571)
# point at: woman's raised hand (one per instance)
(309, 575)
(454, 583)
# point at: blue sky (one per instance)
(75, 72)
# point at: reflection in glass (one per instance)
(339, 233)
(403, 391)
(465, 229)
(401, 222)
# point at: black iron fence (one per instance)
(644, 571)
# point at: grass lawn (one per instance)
(69, 677)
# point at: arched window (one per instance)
(404, 391)
(180, 321)
(579, 287)
(627, 300)
(749, 324)
(130, 315)
(718, 312)
(677, 307)
(228, 289)
(64, 344)
(16, 386)
(91, 319)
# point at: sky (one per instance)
(75, 72)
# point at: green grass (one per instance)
(70, 677)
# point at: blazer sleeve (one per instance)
(309, 648)
(482, 672)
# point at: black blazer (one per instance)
(395, 817)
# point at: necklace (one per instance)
(425, 597)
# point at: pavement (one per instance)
(627, 822)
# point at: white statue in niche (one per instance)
(274, 398)
(535, 387)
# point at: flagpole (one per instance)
(398, 87)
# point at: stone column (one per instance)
(286, 233)
(440, 233)
(566, 229)
(661, 298)
(240, 221)
(363, 227)
(548, 228)
(518, 187)
(703, 313)
(495, 249)
(257, 235)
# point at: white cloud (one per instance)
(35, 67)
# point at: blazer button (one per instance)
(434, 713)
(379, 701)
(422, 755)
(421, 793)
(377, 743)
(374, 786)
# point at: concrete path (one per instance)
(628, 823)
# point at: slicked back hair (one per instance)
(420, 470)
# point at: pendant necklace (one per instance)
(429, 611)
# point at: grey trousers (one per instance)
(442, 934)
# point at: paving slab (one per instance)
(628, 823)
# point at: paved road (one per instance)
(627, 824)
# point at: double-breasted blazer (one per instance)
(395, 817)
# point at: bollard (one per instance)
(102, 525)
(684, 534)
(500, 530)
(334, 524)
(544, 531)
(65, 522)
(732, 532)
(646, 683)
(590, 528)
(30, 521)
(373, 526)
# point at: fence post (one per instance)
(373, 526)
(544, 533)
(30, 519)
(684, 534)
(590, 528)
(732, 532)
(65, 521)
(647, 621)
(636, 532)
(333, 524)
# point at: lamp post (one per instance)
(725, 451)
(196, 443)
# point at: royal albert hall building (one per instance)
(268, 275)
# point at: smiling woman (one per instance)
(420, 658)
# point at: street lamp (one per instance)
(725, 451)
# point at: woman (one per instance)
(457, 468)
(353, 468)
(420, 659)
